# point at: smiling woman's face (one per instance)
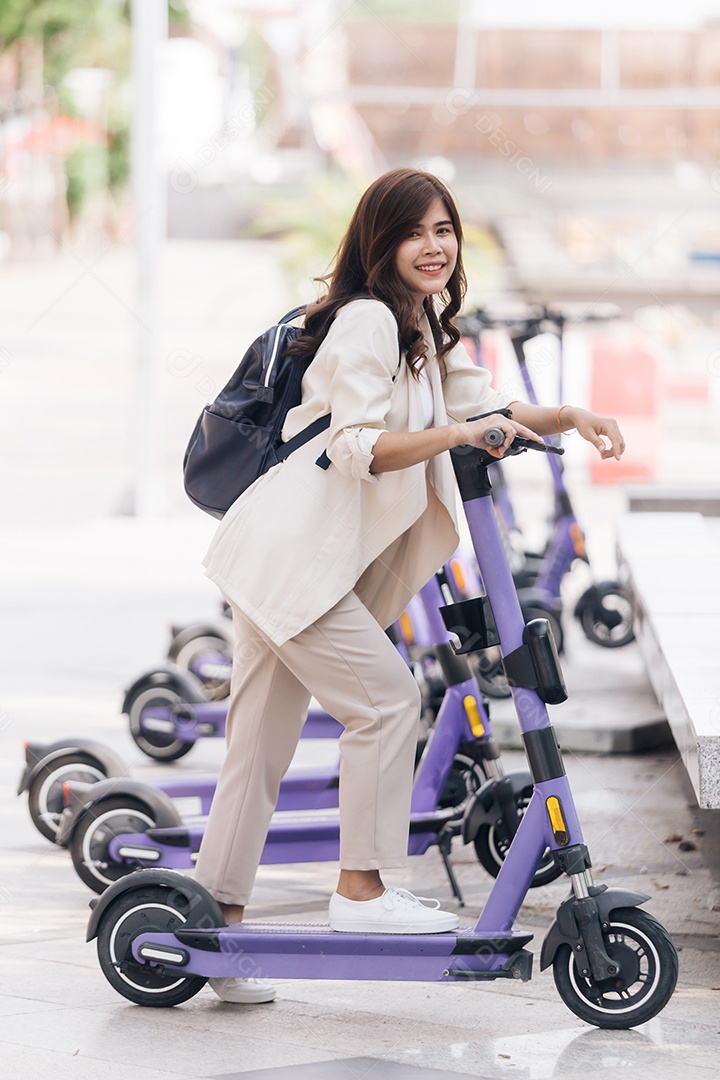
(426, 259)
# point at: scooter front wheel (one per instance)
(538, 611)
(45, 794)
(153, 908)
(465, 778)
(492, 844)
(490, 674)
(606, 615)
(648, 971)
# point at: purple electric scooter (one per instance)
(168, 710)
(161, 935)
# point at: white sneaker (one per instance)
(397, 911)
(243, 991)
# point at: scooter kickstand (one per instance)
(444, 844)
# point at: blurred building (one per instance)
(561, 95)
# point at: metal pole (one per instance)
(149, 30)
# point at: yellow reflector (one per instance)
(578, 540)
(473, 714)
(557, 821)
(406, 629)
(458, 575)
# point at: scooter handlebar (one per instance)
(520, 444)
(495, 437)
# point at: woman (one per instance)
(316, 559)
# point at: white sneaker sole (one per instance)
(241, 995)
(368, 927)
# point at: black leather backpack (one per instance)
(238, 437)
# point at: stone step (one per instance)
(644, 498)
(671, 562)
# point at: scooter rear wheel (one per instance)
(492, 844)
(45, 795)
(189, 646)
(648, 965)
(158, 746)
(151, 908)
(90, 841)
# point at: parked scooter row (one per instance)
(160, 935)
(605, 609)
(171, 706)
(460, 790)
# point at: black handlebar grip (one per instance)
(494, 437)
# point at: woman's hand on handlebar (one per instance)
(598, 430)
(472, 433)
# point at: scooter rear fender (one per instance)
(169, 676)
(221, 629)
(565, 930)
(38, 755)
(139, 879)
(483, 809)
(82, 798)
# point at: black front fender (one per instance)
(167, 676)
(483, 808)
(141, 879)
(564, 931)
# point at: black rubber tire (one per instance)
(157, 746)
(492, 845)
(594, 625)
(187, 645)
(96, 828)
(137, 911)
(45, 795)
(466, 776)
(490, 675)
(533, 611)
(648, 974)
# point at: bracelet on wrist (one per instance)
(559, 423)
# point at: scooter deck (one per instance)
(314, 951)
(294, 836)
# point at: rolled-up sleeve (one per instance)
(362, 354)
(358, 451)
(468, 389)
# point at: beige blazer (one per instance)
(301, 537)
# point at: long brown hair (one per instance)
(365, 265)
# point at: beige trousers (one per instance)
(347, 662)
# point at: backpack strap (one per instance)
(290, 315)
(321, 424)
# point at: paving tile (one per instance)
(347, 1069)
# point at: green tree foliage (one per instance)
(78, 34)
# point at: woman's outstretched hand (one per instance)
(472, 433)
(602, 431)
